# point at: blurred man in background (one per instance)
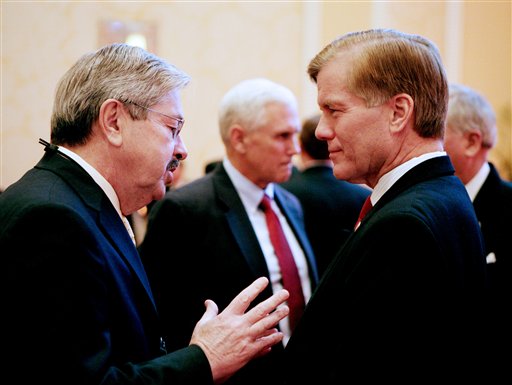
(220, 224)
(331, 206)
(471, 134)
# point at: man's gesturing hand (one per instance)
(233, 337)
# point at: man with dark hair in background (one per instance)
(331, 206)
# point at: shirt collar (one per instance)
(250, 194)
(98, 178)
(389, 179)
(474, 185)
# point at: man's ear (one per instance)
(110, 117)
(472, 143)
(402, 106)
(237, 136)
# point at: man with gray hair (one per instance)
(77, 305)
(470, 135)
(220, 227)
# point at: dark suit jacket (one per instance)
(77, 305)
(200, 244)
(331, 207)
(403, 297)
(493, 207)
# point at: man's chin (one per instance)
(160, 194)
(283, 178)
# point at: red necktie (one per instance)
(367, 206)
(289, 272)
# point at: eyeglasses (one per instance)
(175, 130)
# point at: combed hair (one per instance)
(468, 110)
(388, 62)
(245, 103)
(315, 147)
(117, 71)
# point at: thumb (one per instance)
(211, 311)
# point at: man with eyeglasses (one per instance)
(77, 304)
(178, 122)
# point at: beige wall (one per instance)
(221, 43)
(486, 66)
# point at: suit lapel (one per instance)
(113, 228)
(295, 221)
(432, 168)
(484, 203)
(107, 218)
(239, 222)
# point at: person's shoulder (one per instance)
(506, 185)
(198, 194)
(354, 187)
(192, 187)
(296, 181)
(40, 187)
(307, 178)
(496, 187)
(285, 195)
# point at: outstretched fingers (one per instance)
(264, 315)
(268, 313)
(269, 338)
(243, 300)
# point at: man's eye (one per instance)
(174, 131)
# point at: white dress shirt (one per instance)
(251, 196)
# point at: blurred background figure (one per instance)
(331, 206)
(139, 219)
(210, 166)
(470, 135)
(216, 229)
(180, 176)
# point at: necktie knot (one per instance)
(265, 203)
(367, 206)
